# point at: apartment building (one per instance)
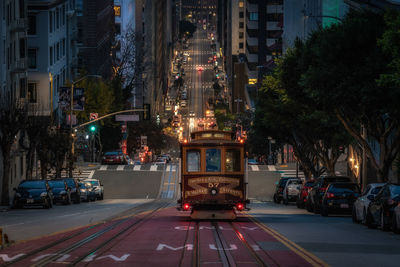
(13, 76)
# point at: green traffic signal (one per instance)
(92, 128)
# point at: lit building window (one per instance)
(252, 81)
(241, 4)
(117, 11)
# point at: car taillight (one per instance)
(330, 195)
(239, 206)
(186, 206)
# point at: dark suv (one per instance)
(314, 198)
(339, 198)
(73, 186)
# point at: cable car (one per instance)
(213, 177)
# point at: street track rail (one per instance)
(151, 208)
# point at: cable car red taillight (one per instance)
(239, 206)
(186, 206)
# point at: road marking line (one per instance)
(153, 168)
(271, 168)
(120, 167)
(91, 175)
(103, 167)
(137, 167)
(254, 168)
(308, 256)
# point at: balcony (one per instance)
(273, 26)
(252, 41)
(252, 24)
(271, 42)
(251, 58)
(20, 65)
(274, 9)
(19, 25)
(252, 7)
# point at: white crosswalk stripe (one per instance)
(120, 167)
(137, 167)
(153, 168)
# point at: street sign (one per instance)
(94, 116)
(127, 117)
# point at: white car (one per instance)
(98, 187)
(360, 206)
(291, 190)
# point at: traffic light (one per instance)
(146, 112)
(92, 128)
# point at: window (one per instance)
(22, 9)
(32, 59)
(241, 35)
(63, 47)
(63, 15)
(193, 161)
(241, 4)
(253, 16)
(232, 160)
(117, 11)
(51, 55)
(32, 25)
(241, 14)
(213, 160)
(241, 45)
(58, 51)
(22, 48)
(51, 21)
(22, 87)
(241, 25)
(58, 18)
(32, 92)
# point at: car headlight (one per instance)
(63, 192)
(83, 190)
(17, 194)
(43, 194)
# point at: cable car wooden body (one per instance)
(213, 178)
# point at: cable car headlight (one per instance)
(213, 191)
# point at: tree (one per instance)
(12, 121)
(356, 80)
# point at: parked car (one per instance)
(97, 186)
(252, 162)
(161, 161)
(113, 157)
(61, 193)
(314, 198)
(280, 185)
(291, 190)
(339, 198)
(361, 205)
(166, 156)
(33, 193)
(381, 208)
(396, 220)
(303, 193)
(74, 189)
(87, 191)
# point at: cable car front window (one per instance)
(213, 160)
(232, 160)
(193, 161)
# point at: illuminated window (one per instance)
(117, 11)
(241, 4)
(232, 160)
(252, 81)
